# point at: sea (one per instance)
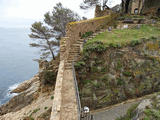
(16, 60)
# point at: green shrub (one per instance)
(36, 110)
(152, 113)
(120, 81)
(86, 81)
(48, 77)
(52, 97)
(134, 43)
(127, 73)
(95, 46)
(87, 34)
(119, 64)
(114, 45)
(79, 64)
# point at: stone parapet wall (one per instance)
(57, 102)
(63, 47)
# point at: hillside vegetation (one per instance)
(120, 37)
(119, 65)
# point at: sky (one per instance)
(22, 13)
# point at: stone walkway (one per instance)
(69, 108)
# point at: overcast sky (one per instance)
(22, 13)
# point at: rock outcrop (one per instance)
(27, 92)
(147, 109)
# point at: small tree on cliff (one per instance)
(42, 34)
(59, 18)
(48, 35)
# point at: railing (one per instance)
(82, 115)
(86, 116)
(77, 92)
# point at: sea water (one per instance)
(16, 60)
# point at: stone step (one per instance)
(70, 60)
(62, 50)
(74, 50)
(73, 57)
(76, 45)
(68, 65)
(78, 53)
(65, 37)
(62, 45)
(80, 42)
(94, 34)
(74, 53)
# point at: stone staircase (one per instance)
(75, 49)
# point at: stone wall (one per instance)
(75, 30)
(142, 6)
(151, 6)
(100, 13)
(55, 115)
(136, 4)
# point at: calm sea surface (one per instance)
(16, 60)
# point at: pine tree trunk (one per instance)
(53, 56)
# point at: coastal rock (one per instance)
(25, 85)
(28, 91)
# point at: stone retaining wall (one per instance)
(75, 30)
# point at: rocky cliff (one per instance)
(35, 96)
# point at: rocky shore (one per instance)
(30, 103)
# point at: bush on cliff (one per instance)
(48, 77)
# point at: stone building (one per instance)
(141, 6)
(99, 12)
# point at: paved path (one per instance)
(115, 111)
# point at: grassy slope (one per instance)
(122, 37)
